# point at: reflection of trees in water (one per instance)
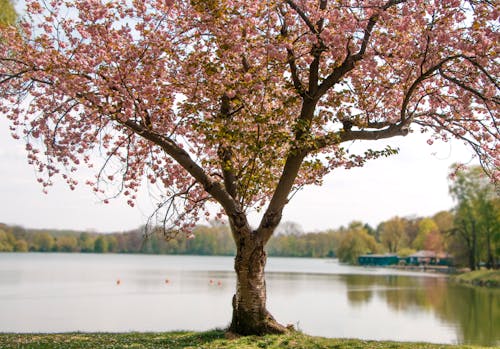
(360, 288)
(414, 294)
(475, 312)
(360, 296)
(399, 293)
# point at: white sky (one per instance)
(413, 182)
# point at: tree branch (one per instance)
(291, 58)
(400, 129)
(350, 60)
(465, 87)
(296, 155)
(225, 152)
(215, 189)
(369, 28)
(297, 84)
(335, 75)
(303, 15)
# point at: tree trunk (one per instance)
(471, 243)
(250, 316)
(472, 260)
(473, 254)
(490, 261)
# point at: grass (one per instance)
(482, 277)
(190, 340)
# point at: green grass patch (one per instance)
(482, 277)
(191, 340)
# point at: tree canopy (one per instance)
(239, 101)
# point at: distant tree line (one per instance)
(214, 239)
(470, 233)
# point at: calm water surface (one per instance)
(79, 292)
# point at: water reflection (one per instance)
(474, 311)
(58, 293)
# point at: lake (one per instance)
(118, 293)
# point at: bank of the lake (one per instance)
(489, 278)
(207, 340)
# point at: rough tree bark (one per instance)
(250, 315)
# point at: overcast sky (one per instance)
(413, 182)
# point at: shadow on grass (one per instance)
(210, 339)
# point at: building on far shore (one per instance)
(418, 258)
(429, 258)
(378, 259)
